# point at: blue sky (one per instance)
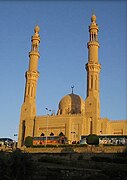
(63, 49)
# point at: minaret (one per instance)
(32, 74)
(28, 110)
(93, 78)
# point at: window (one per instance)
(42, 134)
(51, 134)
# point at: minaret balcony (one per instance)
(34, 53)
(93, 26)
(33, 75)
(36, 37)
(93, 43)
(93, 67)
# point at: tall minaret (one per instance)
(93, 73)
(28, 110)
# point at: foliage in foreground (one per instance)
(71, 166)
(16, 166)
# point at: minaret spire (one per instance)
(32, 74)
(34, 54)
(28, 110)
(93, 67)
(93, 78)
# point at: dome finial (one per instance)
(72, 88)
(36, 29)
(93, 18)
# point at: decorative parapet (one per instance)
(93, 67)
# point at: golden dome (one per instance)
(71, 104)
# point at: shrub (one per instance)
(67, 150)
(16, 166)
(3, 165)
(92, 139)
(98, 176)
(80, 157)
(49, 159)
(121, 160)
(101, 159)
(28, 141)
(115, 172)
(21, 165)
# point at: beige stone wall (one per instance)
(71, 125)
(87, 149)
(113, 127)
(118, 127)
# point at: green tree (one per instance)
(92, 139)
(28, 141)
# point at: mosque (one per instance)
(75, 116)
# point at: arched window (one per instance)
(95, 82)
(91, 81)
(91, 126)
(51, 134)
(61, 134)
(23, 131)
(95, 37)
(42, 134)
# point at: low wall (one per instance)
(88, 149)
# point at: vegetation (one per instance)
(67, 150)
(20, 165)
(16, 166)
(101, 159)
(49, 159)
(28, 141)
(92, 139)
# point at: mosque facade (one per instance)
(75, 116)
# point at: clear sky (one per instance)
(63, 49)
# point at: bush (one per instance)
(115, 172)
(3, 165)
(67, 150)
(80, 157)
(48, 159)
(28, 141)
(121, 160)
(101, 159)
(16, 166)
(21, 165)
(98, 176)
(92, 139)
